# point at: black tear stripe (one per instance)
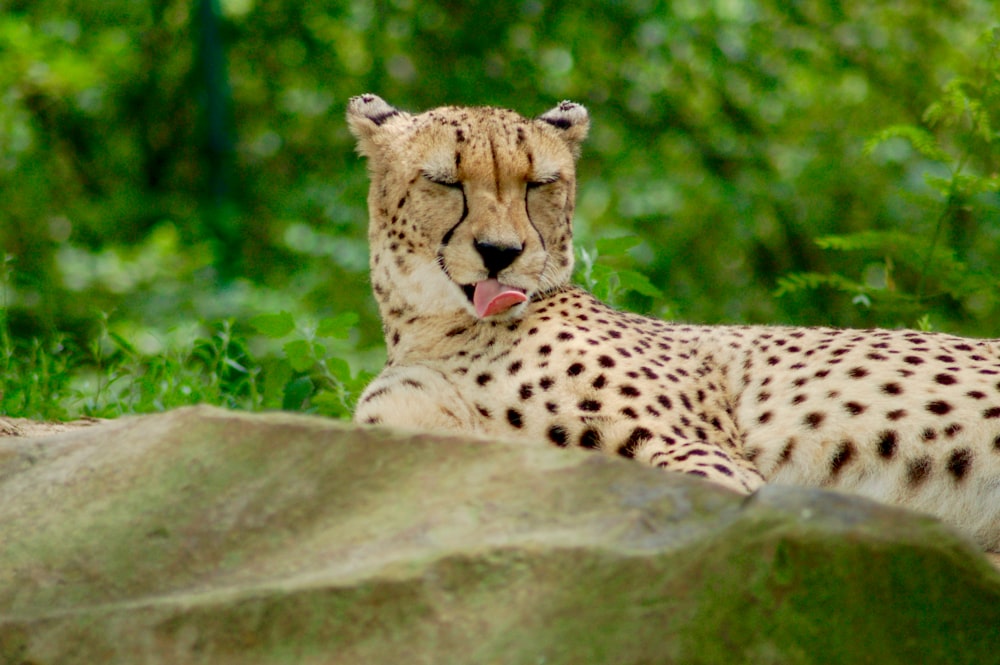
(527, 212)
(496, 167)
(465, 213)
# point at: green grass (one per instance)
(277, 360)
(225, 365)
(269, 361)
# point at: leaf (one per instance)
(620, 245)
(297, 391)
(921, 140)
(634, 281)
(274, 326)
(300, 355)
(122, 343)
(330, 404)
(338, 326)
(802, 281)
(600, 277)
(339, 368)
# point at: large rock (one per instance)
(203, 536)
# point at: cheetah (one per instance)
(471, 258)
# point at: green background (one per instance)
(171, 169)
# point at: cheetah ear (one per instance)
(572, 119)
(369, 116)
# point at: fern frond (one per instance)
(810, 281)
(921, 140)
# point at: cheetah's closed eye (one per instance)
(471, 254)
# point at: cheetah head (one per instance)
(470, 208)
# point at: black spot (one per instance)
(629, 412)
(814, 420)
(724, 470)
(764, 417)
(951, 430)
(991, 413)
(638, 436)
(786, 452)
(959, 462)
(372, 395)
(599, 382)
(590, 438)
(605, 361)
(558, 435)
(552, 407)
(843, 455)
(976, 394)
(514, 367)
(892, 389)
(857, 373)
(544, 350)
(945, 379)
(413, 384)
(484, 378)
(483, 411)
(664, 401)
(938, 407)
(929, 434)
(996, 443)
(917, 470)
(887, 444)
(514, 418)
(589, 405)
(913, 360)
(526, 391)
(896, 414)
(575, 369)
(763, 396)
(545, 382)
(798, 399)
(629, 391)
(854, 408)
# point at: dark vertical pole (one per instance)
(220, 215)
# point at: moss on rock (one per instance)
(203, 536)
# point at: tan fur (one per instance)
(904, 417)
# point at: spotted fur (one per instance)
(463, 195)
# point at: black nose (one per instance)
(497, 257)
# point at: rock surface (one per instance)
(204, 536)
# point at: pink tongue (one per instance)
(491, 297)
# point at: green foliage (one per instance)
(601, 271)
(726, 137)
(916, 271)
(312, 377)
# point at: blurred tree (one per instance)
(727, 134)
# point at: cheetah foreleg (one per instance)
(413, 397)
